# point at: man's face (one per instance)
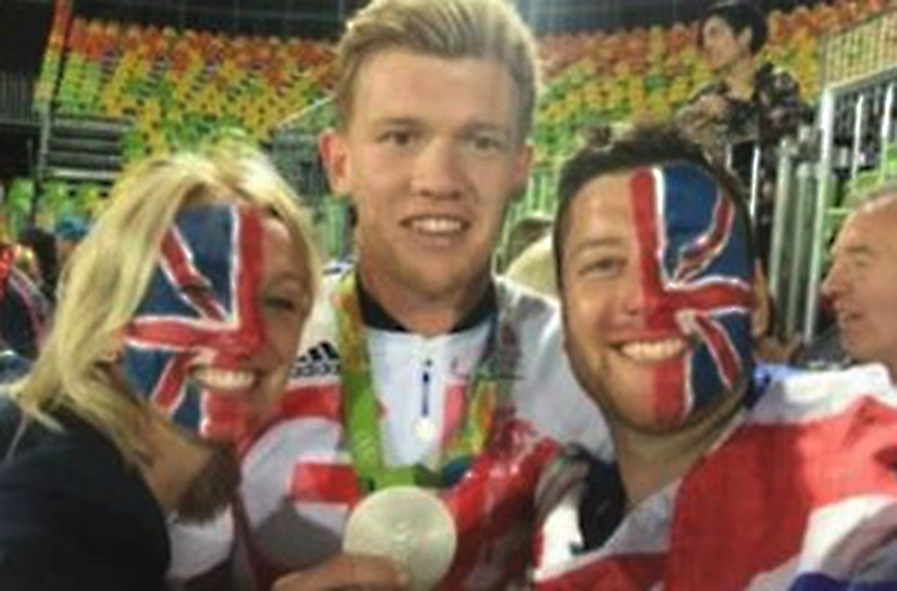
(861, 284)
(430, 158)
(216, 333)
(722, 47)
(656, 295)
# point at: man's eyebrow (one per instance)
(857, 249)
(478, 125)
(596, 243)
(389, 120)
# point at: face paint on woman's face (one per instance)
(695, 273)
(201, 308)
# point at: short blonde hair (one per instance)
(451, 29)
(111, 268)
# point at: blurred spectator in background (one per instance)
(69, 231)
(534, 268)
(749, 102)
(525, 231)
(23, 309)
(43, 245)
(860, 282)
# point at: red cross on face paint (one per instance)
(200, 310)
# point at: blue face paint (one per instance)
(201, 309)
(696, 272)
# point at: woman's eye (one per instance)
(280, 303)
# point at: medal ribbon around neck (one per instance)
(487, 389)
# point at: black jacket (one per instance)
(73, 516)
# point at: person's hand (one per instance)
(712, 106)
(346, 572)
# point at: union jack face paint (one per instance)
(200, 309)
(695, 275)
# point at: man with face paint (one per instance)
(716, 484)
(174, 337)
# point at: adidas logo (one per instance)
(317, 361)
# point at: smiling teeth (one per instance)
(224, 379)
(654, 350)
(436, 225)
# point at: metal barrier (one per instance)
(16, 97)
(821, 171)
(819, 175)
(855, 123)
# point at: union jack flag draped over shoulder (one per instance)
(801, 495)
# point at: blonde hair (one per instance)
(451, 29)
(110, 270)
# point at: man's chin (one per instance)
(213, 489)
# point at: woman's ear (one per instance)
(113, 348)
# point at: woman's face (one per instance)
(722, 47)
(216, 333)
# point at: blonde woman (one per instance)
(177, 326)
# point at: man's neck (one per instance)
(650, 461)
(423, 313)
(740, 78)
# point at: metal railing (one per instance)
(855, 124)
(17, 98)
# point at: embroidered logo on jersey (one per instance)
(696, 273)
(200, 308)
(319, 360)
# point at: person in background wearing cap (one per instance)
(719, 481)
(174, 336)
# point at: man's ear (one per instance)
(761, 306)
(745, 38)
(335, 156)
(522, 167)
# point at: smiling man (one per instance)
(715, 482)
(860, 282)
(419, 367)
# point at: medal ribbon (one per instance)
(487, 388)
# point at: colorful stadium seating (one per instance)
(178, 86)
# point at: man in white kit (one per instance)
(419, 366)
